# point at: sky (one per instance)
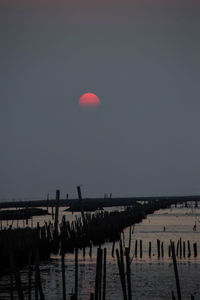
(141, 58)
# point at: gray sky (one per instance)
(140, 57)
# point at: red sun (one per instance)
(89, 100)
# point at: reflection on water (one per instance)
(152, 278)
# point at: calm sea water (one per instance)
(152, 278)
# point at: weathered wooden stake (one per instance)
(176, 271)
(76, 274)
(140, 248)
(158, 248)
(63, 274)
(189, 251)
(136, 242)
(149, 249)
(104, 273)
(128, 273)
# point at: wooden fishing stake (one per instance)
(158, 248)
(149, 249)
(11, 277)
(180, 248)
(129, 244)
(176, 271)
(97, 275)
(90, 253)
(92, 296)
(122, 275)
(184, 249)
(104, 273)
(76, 274)
(177, 247)
(169, 251)
(189, 251)
(136, 242)
(38, 279)
(195, 249)
(56, 213)
(63, 274)
(173, 297)
(18, 284)
(162, 249)
(100, 273)
(113, 249)
(29, 275)
(140, 248)
(128, 273)
(81, 203)
(52, 213)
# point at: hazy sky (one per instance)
(140, 57)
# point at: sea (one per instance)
(151, 277)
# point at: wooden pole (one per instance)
(136, 242)
(104, 273)
(76, 274)
(149, 249)
(176, 271)
(128, 273)
(63, 274)
(56, 213)
(29, 275)
(140, 248)
(122, 275)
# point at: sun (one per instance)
(89, 100)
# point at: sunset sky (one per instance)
(141, 58)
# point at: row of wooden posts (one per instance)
(183, 249)
(124, 267)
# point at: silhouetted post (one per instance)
(47, 203)
(173, 297)
(90, 253)
(63, 274)
(97, 278)
(100, 273)
(11, 276)
(29, 275)
(158, 248)
(176, 271)
(56, 213)
(136, 242)
(129, 244)
(149, 249)
(162, 249)
(180, 248)
(18, 284)
(122, 275)
(128, 273)
(140, 248)
(104, 273)
(81, 202)
(113, 249)
(38, 279)
(177, 247)
(169, 251)
(184, 249)
(195, 249)
(76, 274)
(189, 251)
